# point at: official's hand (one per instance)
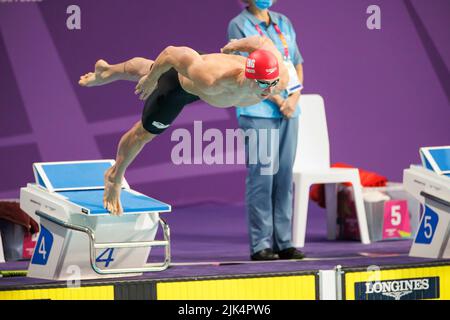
(277, 99)
(145, 87)
(287, 108)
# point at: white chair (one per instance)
(312, 166)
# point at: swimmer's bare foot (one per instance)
(111, 197)
(102, 75)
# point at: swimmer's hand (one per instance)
(145, 87)
(249, 45)
(229, 48)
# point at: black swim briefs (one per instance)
(165, 103)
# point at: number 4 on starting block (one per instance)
(432, 238)
(43, 247)
(109, 258)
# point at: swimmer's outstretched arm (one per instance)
(184, 60)
(251, 44)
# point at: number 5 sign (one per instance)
(432, 239)
(427, 227)
(396, 220)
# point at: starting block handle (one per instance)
(93, 245)
(436, 199)
(109, 245)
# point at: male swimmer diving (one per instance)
(180, 76)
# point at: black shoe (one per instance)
(291, 253)
(266, 254)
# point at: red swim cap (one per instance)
(262, 65)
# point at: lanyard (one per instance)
(280, 34)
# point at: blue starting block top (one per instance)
(76, 175)
(82, 183)
(436, 159)
(132, 202)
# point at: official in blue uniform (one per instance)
(269, 196)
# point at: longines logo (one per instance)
(404, 289)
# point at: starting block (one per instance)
(2, 255)
(430, 184)
(78, 238)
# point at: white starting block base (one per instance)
(433, 191)
(2, 255)
(78, 238)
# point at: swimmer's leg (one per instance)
(104, 73)
(130, 145)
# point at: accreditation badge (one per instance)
(294, 84)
